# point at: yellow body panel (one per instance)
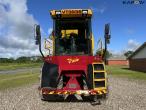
(70, 13)
(92, 39)
(102, 79)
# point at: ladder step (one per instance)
(98, 83)
(98, 71)
(99, 75)
(99, 79)
(100, 88)
(98, 67)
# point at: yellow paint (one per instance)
(52, 92)
(104, 91)
(66, 33)
(103, 79)
(99, 79)
(81, 92)
(72, 60)
(92, 39)
(66, 13)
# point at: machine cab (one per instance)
(72, 32)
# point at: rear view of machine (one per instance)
(72, 69)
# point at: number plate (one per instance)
(72, 85)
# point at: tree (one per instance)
(107, 54)
(128, 53)
(6, 60)
(23, 59)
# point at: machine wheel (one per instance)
(90, 77)
(49, 75)
(60, 83)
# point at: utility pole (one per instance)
(107, 37)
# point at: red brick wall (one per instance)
(118, 62)
(138, 64)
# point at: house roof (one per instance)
(137, 50)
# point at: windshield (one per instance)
(72, 36)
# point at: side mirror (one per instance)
(107, 33)
(38, 38)
(37, 34)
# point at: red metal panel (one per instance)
(72, 62)
(72, 67)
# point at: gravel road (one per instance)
(21, 70)
(124, 94)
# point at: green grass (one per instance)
(16, 80)
(20, 79)
(123, 71)
(13, 66)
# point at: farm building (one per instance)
(118, 61)
(137, 61)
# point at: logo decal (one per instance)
(72, 60)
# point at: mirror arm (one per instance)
(41, 49)
(104, 54)
(107, 38)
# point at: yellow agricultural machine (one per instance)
(72, 69)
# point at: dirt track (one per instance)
(124, 95)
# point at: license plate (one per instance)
(72, 85)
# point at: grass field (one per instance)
(12, 66)
(16, 80)
(124, 71)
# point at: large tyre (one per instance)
(90, 76)
(49, 77)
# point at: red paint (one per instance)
(72, 67)
(63, 63)
(118, 62)
(72, 84)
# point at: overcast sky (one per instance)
(17, 19)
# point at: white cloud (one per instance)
(16, 29)
(100, 10)
(132, 45)
(50, 31)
